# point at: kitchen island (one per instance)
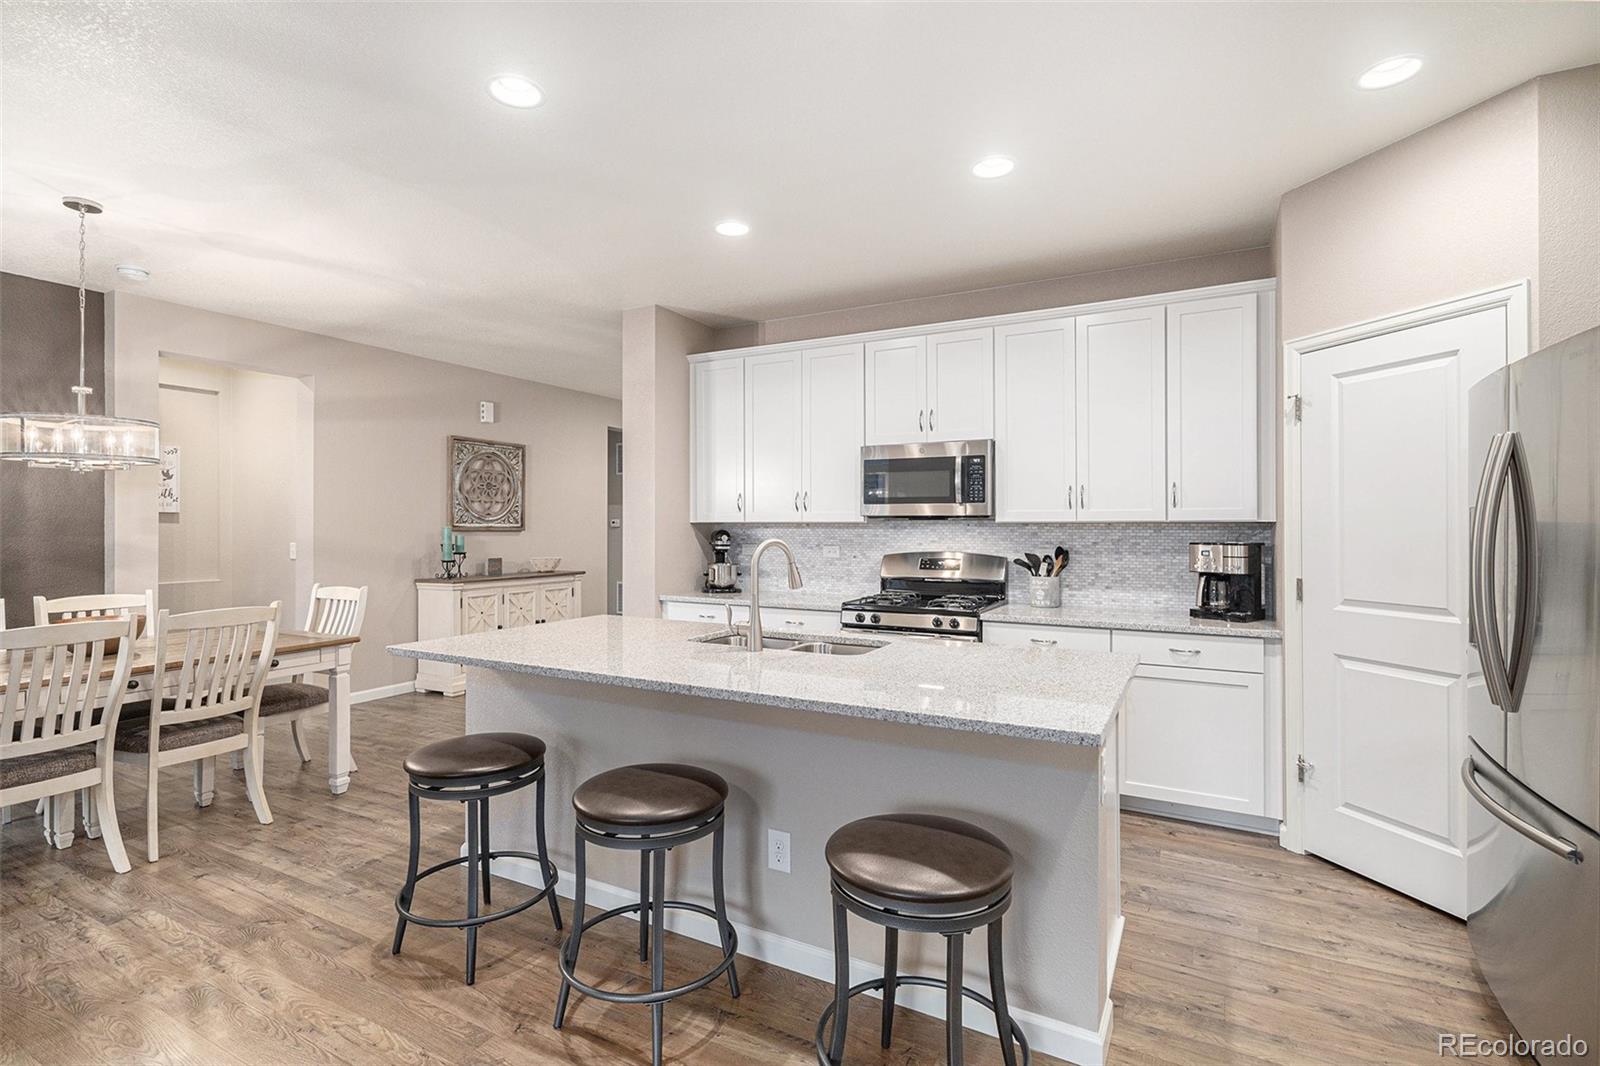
(1019, 741)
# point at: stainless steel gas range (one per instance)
(931, 594)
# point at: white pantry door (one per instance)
(1386, 485)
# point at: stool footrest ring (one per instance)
(927, 982)
(551, 874)
(666, 993)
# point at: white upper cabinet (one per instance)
(1122, 428)
(773, 427)
(896, 400)
(716, 471)
(1211, 409)
(834, 410)
(961, 385)
(1035, 417)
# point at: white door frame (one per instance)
(1514, 298)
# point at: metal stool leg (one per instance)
(579, 881)
(545, 865)
(719, 900)
(841, 982)
(952, 1001)
(891, 964)
(997, 991)
(658, 969)
(415, 812)
(472, 890)
(644, 906)
(483, 845)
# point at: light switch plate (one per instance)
(830, 551)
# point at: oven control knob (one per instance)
(938, 623)
(955, 623)
(874, 619)
(860, 617)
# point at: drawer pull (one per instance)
(274, 662)
(708, 617)
(1041, 640)
(1190, 652)
(133, 686)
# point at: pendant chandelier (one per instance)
(79, 441)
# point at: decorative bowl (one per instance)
(544, 563)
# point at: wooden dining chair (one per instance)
(216, 666)
(55, 735)
(336, 610)
(95, 605)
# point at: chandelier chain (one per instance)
(83, 274)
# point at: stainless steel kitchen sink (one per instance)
(828, 647)
(806, 647)
(740, 640)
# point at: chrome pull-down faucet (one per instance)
(754, 641)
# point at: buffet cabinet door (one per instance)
(480, 611)
(557, 602)
(521, 608)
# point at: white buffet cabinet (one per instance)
(454, 607)
(1155, 409)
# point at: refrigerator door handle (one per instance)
(1470, 768)
(1525, 517)
(1481, 598)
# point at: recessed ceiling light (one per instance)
(132, 273)
(732, 227)
(1391, 71)
(993, 166)
(514, 90)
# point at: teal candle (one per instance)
(444, 543)
(461, 544)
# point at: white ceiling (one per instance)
(341, 168)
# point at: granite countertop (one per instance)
(1086, 616)
(1064, 696)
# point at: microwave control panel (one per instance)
(974, 479)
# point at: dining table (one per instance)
(296, 653)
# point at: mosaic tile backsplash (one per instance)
(1131, 565)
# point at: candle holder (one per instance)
(454, 567)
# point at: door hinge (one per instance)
(1295, 406)
(1300, 589)
(1302, 769)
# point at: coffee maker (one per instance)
(722, 575)
(1231, 585)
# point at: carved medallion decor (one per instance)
(487, 480)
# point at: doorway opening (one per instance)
(235, 503)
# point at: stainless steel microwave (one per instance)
(942, 479)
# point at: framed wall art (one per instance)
(488, 480)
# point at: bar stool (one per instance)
(472, 770)
(650, 808)
(925, 874)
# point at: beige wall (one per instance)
(1569, 203)
(1250, 264)
(1447, 211)
(660, 549)
(380, 423)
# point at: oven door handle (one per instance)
(1471, 768)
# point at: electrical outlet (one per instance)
(830, 551)
(294, 551)
(778, 850)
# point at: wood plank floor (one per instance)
(252, 944)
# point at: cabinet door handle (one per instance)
(1082, 496)
(1174, 494)
(930, 420)
(919, 420)
(739, 502)
(1041, 640)
(797, 501)
(805, 500)
(1189, 652)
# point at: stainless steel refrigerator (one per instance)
(1533, 768)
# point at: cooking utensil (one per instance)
(1024, 564)
(1034, 562)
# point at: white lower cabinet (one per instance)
(1196, 737)
(448, 608)
(775, 618)
(1014, 635)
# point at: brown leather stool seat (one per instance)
(476, 755)
(920, 858)
(650, 794)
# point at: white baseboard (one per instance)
(382, 692)
(1047, 1035)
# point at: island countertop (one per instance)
(1069, 697)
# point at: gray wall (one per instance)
(52, 522)
(1569, 203)
(1132, 566)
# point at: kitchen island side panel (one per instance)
(807, 774)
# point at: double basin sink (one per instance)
(806, 647)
